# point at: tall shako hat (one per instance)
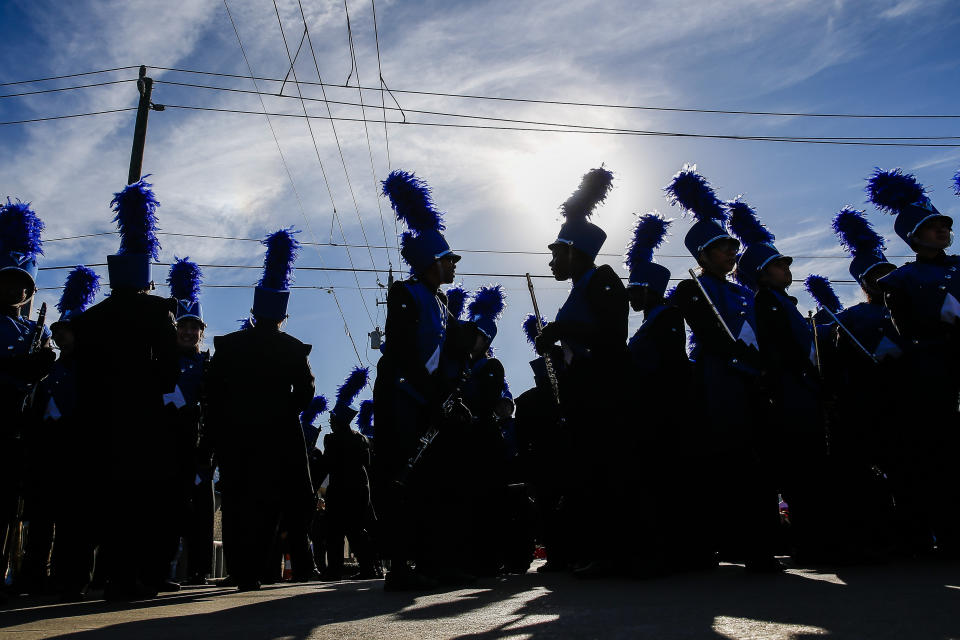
(136, 218)
(184, 279)
(485, 308)
(822, 292)
(648, 234)
(456, 301)
(79, 290)
(758, 249)
(347, 393)
(20, 241)
(857, 236)
(900, 194)
(365, 418)
(272, 293)
(412, 203)
(539, 365)
(310, 433)
(694, 194)
(577, 231)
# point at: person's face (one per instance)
(638, 297)
(189, 332)
(560, 263)
(777, 274)
(935, 234)
(443, 270)
(63, 336)
(15, 288)
(720, 257)
(480, 345)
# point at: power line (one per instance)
(71, 75)
(354, 66)
(343, 317)
(79, 86)
(365, 270)
(457, 249)
(316, 149)
(72, 115)
(336, 139)
(549, 123)
(604, 105)
(578, 131)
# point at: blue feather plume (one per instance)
(649, 233)
(20, 229)
(456, 300)
(317, 406)
(245, 323)
(856, 233)
(956, 182)
(693, 193)
(365, 418)
(593, 189)
(136, 218)
(79, 290)
(822, 291)
(282, 250)
(184, 279)
(530, 327)
(352, 386)
(412, 203)
(745, 224)
(487, 302)
(893, 190)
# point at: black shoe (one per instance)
(552, 566)
(248, 586)
(313, 576)
(168, 586)
(592, 571)
(127, 593)
(407, 580)
(195, 580)
(767, 564)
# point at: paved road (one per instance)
(909, 601)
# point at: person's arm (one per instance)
(303, 381)
(607, 298)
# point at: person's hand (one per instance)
(547, 338)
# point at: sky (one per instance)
(244, 175)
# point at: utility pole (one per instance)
(145, 87)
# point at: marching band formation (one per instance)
(763, 433)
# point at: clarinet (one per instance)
(423, 444)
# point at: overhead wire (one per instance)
(601, 105)
(70, 75)
(323, 172)
(71, 88)
(343, 317)
(355, 67)
(336, 138)
(71, 115)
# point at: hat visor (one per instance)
(928, 219)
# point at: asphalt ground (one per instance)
(906, 600)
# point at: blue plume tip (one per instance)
(282, 250)
(365, 418)
(893, 190)
(822, 291)
(20, 229)
(649, 233)
(956, 182)
(593, 189)
(855, 232)
(456, 300)
(412, 202)
(317, 406)
(694, 194)
(745, 224)
(352, 386)
(184, 279)
(79, 290)
(530, 327)
(136, 217)
(245, 323)
(487, 302)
